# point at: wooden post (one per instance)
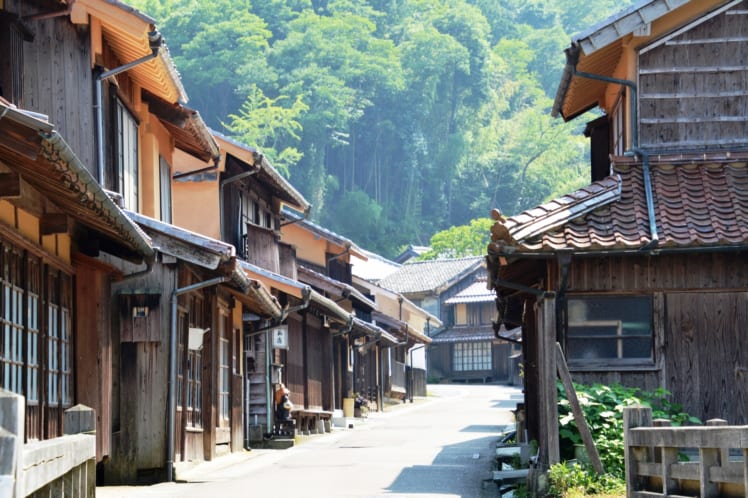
(724, 454)
(667, 457)
(547, 391)
(571, 394)
(708, 458)
(633, 417)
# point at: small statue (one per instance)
(283, 405)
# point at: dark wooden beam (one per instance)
(51, 223)
(10, 185)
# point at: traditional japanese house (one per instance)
(469, 349)
(428, 284)
(325, 257)
(49, 290)
(181, 354)
(641, 276)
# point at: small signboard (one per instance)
(279, 337)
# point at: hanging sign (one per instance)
(279, 337)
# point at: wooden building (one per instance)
(429, 284)
(641, 276)
(468, 350)
(405, 362)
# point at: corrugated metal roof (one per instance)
(697, 203)
(431, 275)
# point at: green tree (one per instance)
(264, 123)
(461, 241)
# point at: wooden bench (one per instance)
(310, 421)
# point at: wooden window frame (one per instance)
(472, 356)
(593, 329)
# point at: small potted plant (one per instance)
(360, 406)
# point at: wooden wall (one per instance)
(58, 80)
(700, 319)
(693, 89)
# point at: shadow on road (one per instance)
(458, 470)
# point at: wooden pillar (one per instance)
(548, 395)
(668, 456)
(634, 416)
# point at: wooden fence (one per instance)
(63, 466)
(663, 461)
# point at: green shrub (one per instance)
(574, 479)
(603, 409)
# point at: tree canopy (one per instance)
(395, 119)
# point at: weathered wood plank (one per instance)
(571, 394)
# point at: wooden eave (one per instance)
(184, 244)
(334, 287)
(330, 308)
(259, 300)
(190, 132)
(31, 148)
(599, 49)
(126, 30)
(275, 281)
(267, 175)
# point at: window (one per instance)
(472, 356)
(126, 134)
(224, 372)
(612, 330)
(165, 189)
(36, 337)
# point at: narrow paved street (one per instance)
(440, 446)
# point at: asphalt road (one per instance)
(438, 446)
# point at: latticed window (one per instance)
(36, 323)
(472, 356)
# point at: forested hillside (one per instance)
(395, 118)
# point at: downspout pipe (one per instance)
(155, 41)
(572, 58)
(647, 176)
(172, 394)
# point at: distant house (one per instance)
(642, 275)
(469, 349)
(465, 347)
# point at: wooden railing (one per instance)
(662, 461)
(63, 466)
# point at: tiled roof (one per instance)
(476, 293)
(696, 204)
(431, 275)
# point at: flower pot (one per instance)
(348, 404)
